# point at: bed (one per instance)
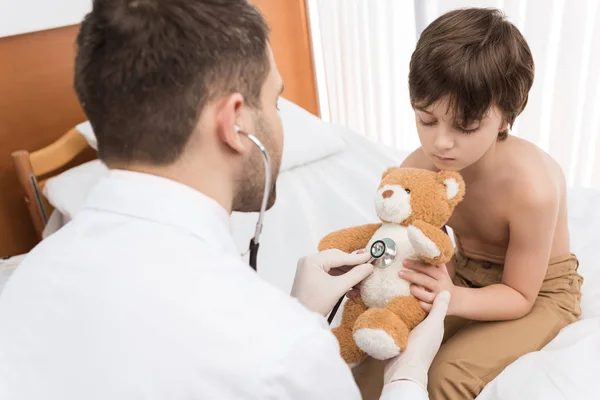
(326, 168)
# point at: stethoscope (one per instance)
(253, 248)
(383, 254)
(383, 251)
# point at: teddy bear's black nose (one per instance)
(387, 194)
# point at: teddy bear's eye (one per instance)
(407, 191)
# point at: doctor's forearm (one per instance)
(491, 303)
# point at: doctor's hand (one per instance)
(423, 344)
(322, 278)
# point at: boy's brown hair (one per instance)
(476, 58)
(145, 69)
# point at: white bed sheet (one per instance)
(338, 191)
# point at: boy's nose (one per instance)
(443, 142)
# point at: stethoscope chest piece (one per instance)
(383, 252)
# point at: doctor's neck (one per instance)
(205, 177)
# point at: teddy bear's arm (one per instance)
(349, 239)
(430, 243)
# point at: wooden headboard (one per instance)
(38, 104)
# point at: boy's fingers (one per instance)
(419, 279)
(425, 306)
(426, 269)
(422, 294)
(440, 305)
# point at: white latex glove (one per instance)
(322, 278)
(423, 344)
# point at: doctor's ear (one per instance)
(228, 113)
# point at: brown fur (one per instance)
(431, 209)
(349, 239)
(427, 193)
(407, 308)
(349, 350)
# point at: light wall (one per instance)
(23, 16)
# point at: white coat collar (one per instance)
(164, 201)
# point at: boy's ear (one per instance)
(454, 184)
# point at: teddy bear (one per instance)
(413, 205)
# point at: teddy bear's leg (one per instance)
(383, 332)
(348, 348)
(408, 309)
(380, 333)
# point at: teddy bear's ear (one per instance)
(455, 186)
(387, 172)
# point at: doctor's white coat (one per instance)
(144, 296)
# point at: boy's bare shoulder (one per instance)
(418, 159)
(530, 175)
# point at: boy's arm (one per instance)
(532, 222)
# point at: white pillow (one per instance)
(68, 191)
(307, 138)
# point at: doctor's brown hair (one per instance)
(477, 59)
(145, 69)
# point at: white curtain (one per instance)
(364, 47)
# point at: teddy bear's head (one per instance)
(409, 194)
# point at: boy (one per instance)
(513, 280)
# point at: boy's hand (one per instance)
(427, 281)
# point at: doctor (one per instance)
(144, 294)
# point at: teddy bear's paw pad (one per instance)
(377, 343)
(421, 243)
(348, 348)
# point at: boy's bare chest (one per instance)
(481, 219)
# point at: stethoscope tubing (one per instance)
(254, 243)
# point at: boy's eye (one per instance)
(431, 123)
(468, 128)
(468, 131)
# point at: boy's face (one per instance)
(453, 145)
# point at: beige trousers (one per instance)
(473, 353)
